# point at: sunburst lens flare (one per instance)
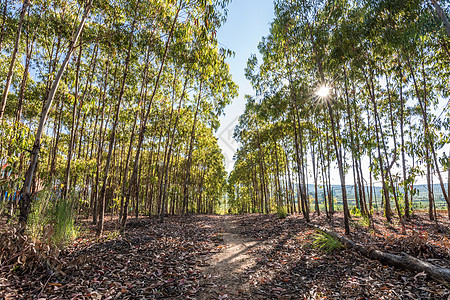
(323, 91)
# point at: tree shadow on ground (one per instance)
(290, 268)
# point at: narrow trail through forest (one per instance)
(227, 275)
(231, 257)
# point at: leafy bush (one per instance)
(63, 217)
(355, 212)
(364, 221)
(255, 210)
(52, 220)
(281, 212)
(50, 226)
(326, 242)
(38, 217)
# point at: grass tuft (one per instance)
(326, 242)
(355, 212)
(364, 221)
(281, 212)
(52, 220)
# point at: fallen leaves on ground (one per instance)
(160, 261)
(290, 268)
(151, 260)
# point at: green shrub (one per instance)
(39, 217)
(364, 221)
(281, 212)
(52, 220)
(63, 218)
(326, 242)
(255, 210)
(355, 212)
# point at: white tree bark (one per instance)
(26, 190)
(25, 5)
(441, 13)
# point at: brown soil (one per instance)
(227, 275)
(235, 257)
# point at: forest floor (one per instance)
(235, 257)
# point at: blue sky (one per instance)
(248, 21)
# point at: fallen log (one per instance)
(403, 261)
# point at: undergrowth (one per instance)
(52, 217)
(355, 212)
(281, 212)
(50, 227)
(363, 221)
(326, 242)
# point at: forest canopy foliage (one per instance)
(361, 86)
(113, 104)
(110, 108)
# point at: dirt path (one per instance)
(227, 276)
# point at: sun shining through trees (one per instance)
(108, 147)
(383, 114)
(323, 92)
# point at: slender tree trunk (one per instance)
(330, 188)
(26, 190)
(262, 173)
(9, 77)
(304, 181)
(72, 133)
(316, 193)
(191, 147)
(323, 171)
(145, 119)
(142, 94)
(387, 205)
(291, 189)
(352, 145)
(413, 163)
(441, 13)
(341, 171)
(298, 147)
(55, 146)
(171, 140)
(402, 118)
(277, 176)
(113, 130)
(166, 160)
(127, 165)
(101, 141)
(428, 142)
(394, 187)
(360, 177)
(299, 168)
(156, 171)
